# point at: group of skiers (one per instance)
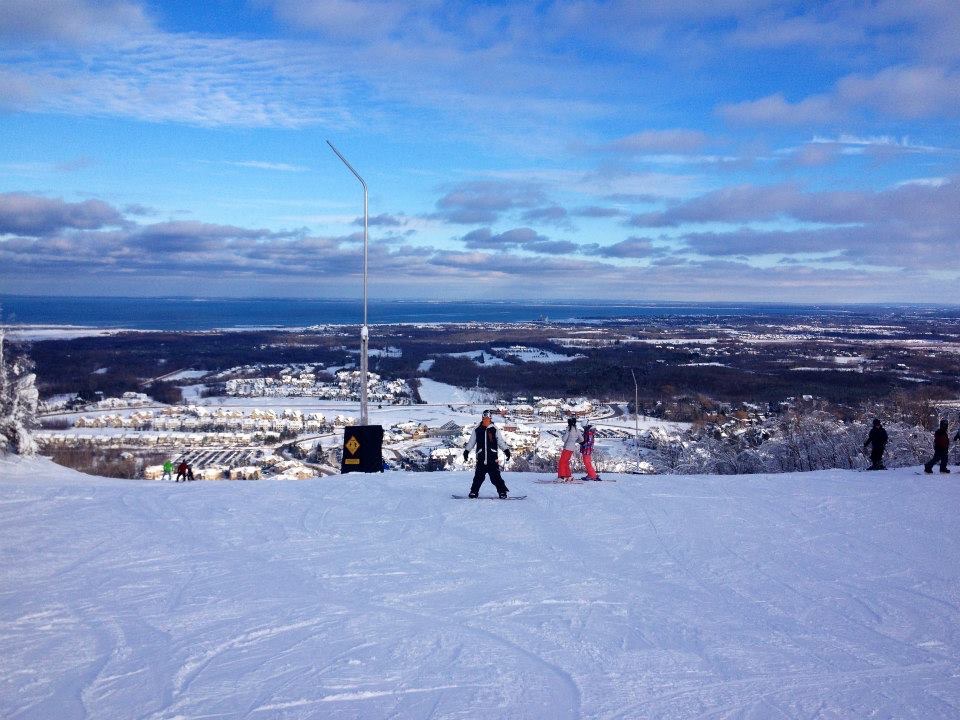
(487, 440)
(575, 439)
(877, 440)
(184, 471)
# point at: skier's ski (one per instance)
(488, 497)
(559, 482)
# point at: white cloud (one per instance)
(263, 165)
(777, 110)
(80, 22)
(898, 92)
(189, 79)
(673, 140)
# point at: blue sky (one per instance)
(730, 150)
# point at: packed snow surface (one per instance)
(821, 595)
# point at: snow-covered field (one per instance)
(822, 595)
(36, 333)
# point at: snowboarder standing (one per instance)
(941, 449)
(586, 451)
(487, 439)
(168, 470)
(571, 440)
(878, 439)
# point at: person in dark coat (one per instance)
(878, 439)
(941, 449)
(488, 440)
(181, 471)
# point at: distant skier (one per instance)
(182, 471)
(167, 470)
(956, 439)
(586, 451)
(190, 472)
(571, 440)
(941, 449)
(878, 439)
(487, 439)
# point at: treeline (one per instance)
(606, 375)
(795, 442)
(117, 364)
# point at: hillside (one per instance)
(820, 595)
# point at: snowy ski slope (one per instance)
(823, 595)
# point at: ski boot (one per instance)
(503, 495)
(473, 495)
(945, 470)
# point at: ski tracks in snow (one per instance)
(801, 596)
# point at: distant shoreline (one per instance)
(238, 314)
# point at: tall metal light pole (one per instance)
(636, 418)
(364, 331)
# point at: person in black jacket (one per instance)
(487, 439)
(878, 439)
(941, 449)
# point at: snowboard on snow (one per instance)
(488, 497)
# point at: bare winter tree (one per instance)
(18, 401)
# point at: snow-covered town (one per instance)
(427, 436)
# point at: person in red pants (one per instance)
(586, 451)
(571, 441)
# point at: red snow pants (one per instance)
(563, 470)
(588, 465)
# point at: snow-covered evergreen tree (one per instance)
(18, 401)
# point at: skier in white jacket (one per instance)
(571, 443)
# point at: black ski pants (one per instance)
(480, 473)
(940, 455)
(876, 456)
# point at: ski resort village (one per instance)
(291, 426)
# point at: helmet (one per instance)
(876, 422)
(488, 413)
(571, 421)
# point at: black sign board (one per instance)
(362, 449)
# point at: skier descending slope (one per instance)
(487, 439)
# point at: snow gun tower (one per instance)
(363, 443)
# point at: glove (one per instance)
(506, 453)
(466, 455)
